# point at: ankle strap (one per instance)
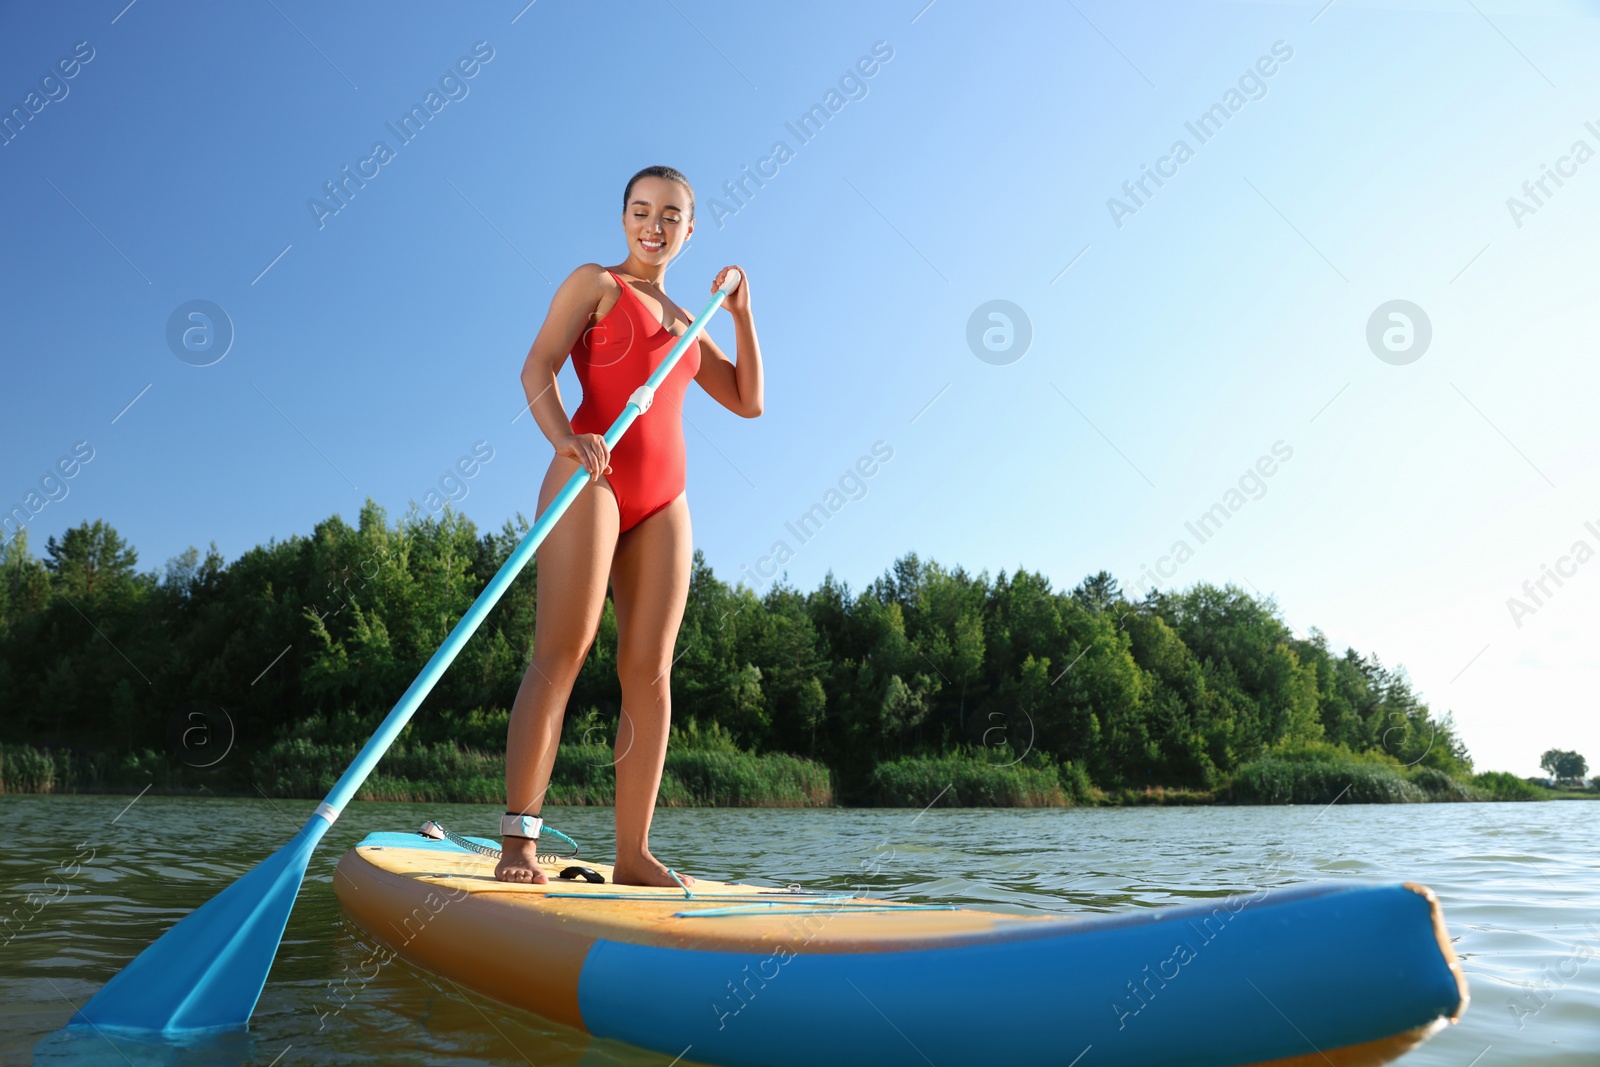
(527, 826)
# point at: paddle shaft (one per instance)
(334, 803)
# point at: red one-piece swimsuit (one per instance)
(612, 359)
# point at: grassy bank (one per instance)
(1323, 774)
(583, 774)
(442, 772)
(708, 770)
(968, 780)
(25, 769)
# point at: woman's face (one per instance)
(656, 219)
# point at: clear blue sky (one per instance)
(1225, 312)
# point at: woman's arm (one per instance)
(736, 386)
(568, 317)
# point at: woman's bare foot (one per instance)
(519, 862)
(645, 869)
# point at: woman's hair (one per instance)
(672, 174)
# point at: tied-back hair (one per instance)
(672, 174)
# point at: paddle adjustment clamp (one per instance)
(328, 812)
(527, 826)
(642, 398)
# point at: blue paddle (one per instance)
(207, 972)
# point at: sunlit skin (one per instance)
(647, 567)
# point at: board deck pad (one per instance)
(652, 915)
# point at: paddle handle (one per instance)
(365, 762)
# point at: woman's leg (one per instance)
(649, 585)
(573, 564)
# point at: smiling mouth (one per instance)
(650, 245)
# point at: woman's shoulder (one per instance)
(591, 278)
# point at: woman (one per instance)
(632, 523)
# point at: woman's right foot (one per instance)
(519, 862)
(645, 869)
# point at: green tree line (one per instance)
(315, 637)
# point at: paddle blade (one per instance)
(206, 973)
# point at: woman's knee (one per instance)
(643, 669)
(558, 661)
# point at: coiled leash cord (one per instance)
(434, 831)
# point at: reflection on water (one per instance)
(80, 895)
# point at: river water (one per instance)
(87, 888)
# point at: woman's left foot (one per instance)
(646, 870)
